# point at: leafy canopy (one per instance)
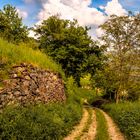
(11, 27)
(69, 44)
(122, 40)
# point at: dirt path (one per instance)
(78, 129)
(114, 132)
(90, 135)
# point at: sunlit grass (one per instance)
(127, 116)
(11, 54)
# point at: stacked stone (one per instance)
(29, 84)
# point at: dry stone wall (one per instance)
(30, 84)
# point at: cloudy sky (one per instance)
(87, 12)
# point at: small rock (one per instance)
(27, 77)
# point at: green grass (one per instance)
(79, 94)
(11, 54)
(102, 133)
(36, 122)
(127, 116)
(40, 122)
(85, 95)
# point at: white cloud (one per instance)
(99, 32)
(114, 7)
(102, 7)
(32, 34)
(80, 10)
(22, 14)
(70, 9)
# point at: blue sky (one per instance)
(88, 12)
(33, 8)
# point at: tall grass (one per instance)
(127, 116)
(40, 122)
(11, 54)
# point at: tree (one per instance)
(69, 44)
(11, 27)
(122, 40)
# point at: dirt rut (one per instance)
(90, 135)
(113, 130)
(78, 129)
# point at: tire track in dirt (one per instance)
(113, 130)
(90, 135)
(78, 129)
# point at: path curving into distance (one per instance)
(90, 133)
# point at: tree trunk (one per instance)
(117, 97)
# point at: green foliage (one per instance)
(87, 96)
(134, 92)
(11, 27)
(11, 54)
(69, 44)
(127, 116)
(102, 133)
(85, 81)
(122, 42)
(106, 80)
(39, 122)
(80, 95)
(51, 122)
(32, 43)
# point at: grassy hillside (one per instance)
(38, 122)
(11, 54)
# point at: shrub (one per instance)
(80, 95)
(38, 122)
(127, 116)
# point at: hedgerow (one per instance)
(39, 122)
(127, 116)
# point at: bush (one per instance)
(39, 122)
(80, 95)
(127, 116)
